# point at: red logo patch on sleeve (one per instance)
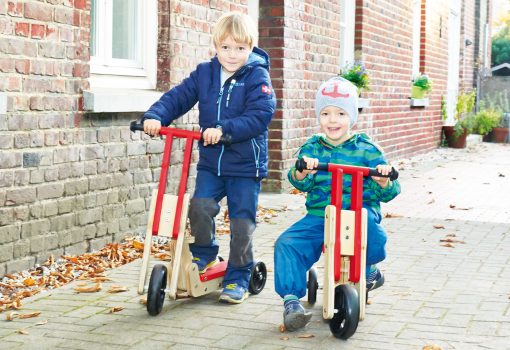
(266, 89)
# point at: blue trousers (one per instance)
(242, 201)
(300, 246)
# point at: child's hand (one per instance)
(152, 127)
(383, 169)
(212, 136)
(310, 164)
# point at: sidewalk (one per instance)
(455, 297)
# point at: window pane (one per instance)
(93, 19)
(124, 29)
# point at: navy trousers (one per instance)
(300, 246)
(242, 201)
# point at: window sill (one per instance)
(419, 102)
(363, 103)
(100, 100)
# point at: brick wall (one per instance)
(72, 181)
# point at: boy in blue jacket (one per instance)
(235, 97)
(300, 246)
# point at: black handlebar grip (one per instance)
(135, 125)
(301, 165)
(393, 175)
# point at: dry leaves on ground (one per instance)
(117, 289)
(432, 347)
(438, 227)
(454, 207)
(116, 309)
(392, 215)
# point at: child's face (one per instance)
(231, 54)
(335, 123)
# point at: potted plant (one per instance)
(498, 101)
(357, 74)
(422, 84)
(455, 135)
(486, 120)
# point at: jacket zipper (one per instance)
(217, 119)
(256, 154)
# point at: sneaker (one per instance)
(203, 265)
(375, 279)
(234, 294)
(295, 316)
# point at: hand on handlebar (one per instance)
(212, 136)
(384, 170)
(151, 127)
(311, 164)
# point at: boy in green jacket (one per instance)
(300, 246)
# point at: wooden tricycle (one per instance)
(345, 243)
(167, 218)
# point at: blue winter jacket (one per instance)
(243, 107)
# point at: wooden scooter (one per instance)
(167, 218)
(345, 242)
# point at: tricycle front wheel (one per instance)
(345, 321)
(156, 293)
(258, 278)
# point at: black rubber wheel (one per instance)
(220, 258)
(312, 285)
(156, 293)
(258, 278)
(345, 321)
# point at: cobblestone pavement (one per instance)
(455, 297)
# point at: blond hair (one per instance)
(237, 25)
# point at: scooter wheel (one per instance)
(258, 278)
(312, 285)
(345, 321)
(156, 293)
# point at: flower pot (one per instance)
(500, 135)
(452, 140)
(417, 92)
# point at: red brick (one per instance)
(22, 66)
(80, 4)
(38, 31)
(22, 29)
(38, 11)
(15, 8)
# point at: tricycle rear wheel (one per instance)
(312, 285)
(258, 278)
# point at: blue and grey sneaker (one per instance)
(203, 264)
(295, 316)
(233, 294)
(375, 278)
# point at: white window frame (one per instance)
(347, 32)
(416, 38)
(106, 72)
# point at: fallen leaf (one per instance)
(306, 335)
(117, 289)
(143, 301)
(501, 175)
(138, 245)
(29, 282)
(116, 309)
(448, 245)
(438, 226)
(369, 302)
(451, 235)
(41, 323)
(22, 331)
(431, 201)
(453, 206)
(392, 215)
(11, 315)
(284, 338)
(281, 327)
(432, 347)
(88, 289)
(29, 315)
(451, 240)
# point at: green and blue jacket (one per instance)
(359, 150)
